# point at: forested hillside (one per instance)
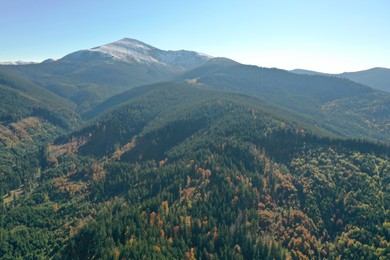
(341, 106)
(22, 98)
(181, 171)
(30, 116)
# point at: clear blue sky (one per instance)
(328, 36)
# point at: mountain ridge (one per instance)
(87, 77)
(312, 95)
(130, 50)
(90, 77)
(377, 77)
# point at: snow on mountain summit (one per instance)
(130, 50)
(127, 50)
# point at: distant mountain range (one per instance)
(94, 80)
(17, 62)
(89, 76)
(378, 78)
(335, 104)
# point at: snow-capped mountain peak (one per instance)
(127, 50)
(130, 51)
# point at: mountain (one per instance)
(378, 78)
(337, 105)
(89, 76)
(182, 171)
(17, 62)
(125, 151)
(130, 51)
(133, 51)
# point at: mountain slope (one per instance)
(21, 98)
(30, 117)
(309, 95)
(158, 106)
(378, 78)
(130, 51)
(181, 172)
(140, 107)
(207, 156)
(89, 76)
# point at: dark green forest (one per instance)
(179, 171)
(190, 157)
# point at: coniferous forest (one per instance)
(198, 166)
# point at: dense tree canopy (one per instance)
(180, 172)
